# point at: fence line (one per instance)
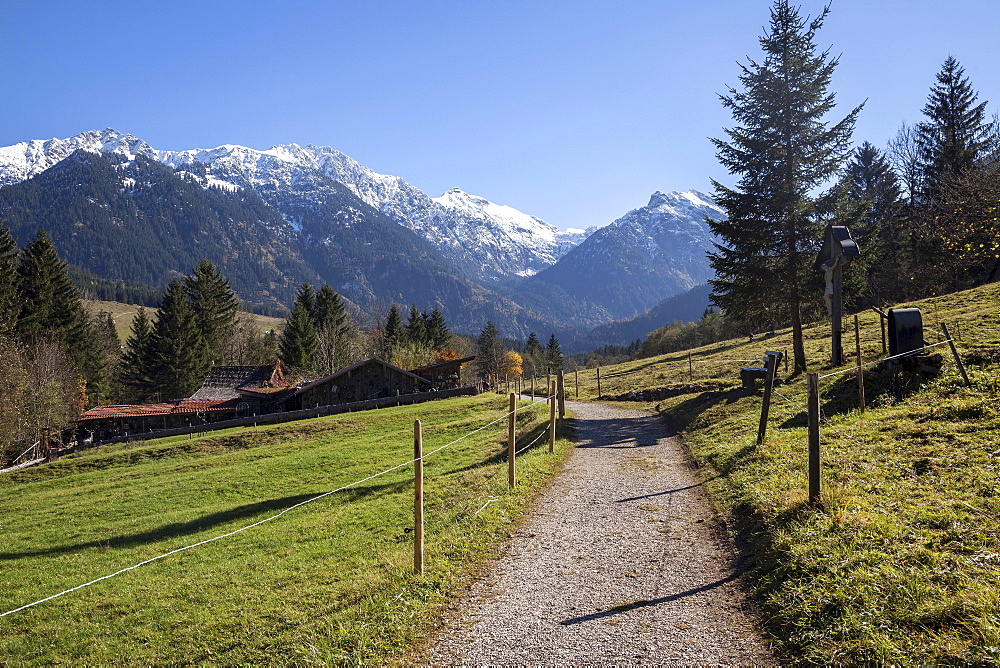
(910, 353)
(259, 523)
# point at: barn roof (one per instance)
(442, 365)
(223, 382)
(184, 406)
(317, 381)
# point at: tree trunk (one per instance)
(798, 349)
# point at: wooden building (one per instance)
(444, 375)
(370, 379)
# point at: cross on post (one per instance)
(839, 248)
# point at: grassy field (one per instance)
(330, 582)
(122, 315)
(901, 562)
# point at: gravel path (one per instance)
(622, 562)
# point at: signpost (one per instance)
(838, 250)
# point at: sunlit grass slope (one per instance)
(329, 582)
(901, 563)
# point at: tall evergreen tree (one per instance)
(176, 346)
(553, 355)
(9, 298)
(489, 353)
(416, 331)
(333, 330)
(876, 220)
(136, 366)
(534, 355)
(215, 306)
(51, 309)
(957, 134)
(782, 149)
(298, 343)
(437, 330)
(393, 334)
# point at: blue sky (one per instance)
(571, 111)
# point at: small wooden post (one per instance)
(576, 379)
(552, 418)
(785, 355)
(813, 405)
(885, 339)
(599, 393)
(837, 344)
(511, 440)
(532, 387)
(861, 370)
(548, 376)
(560, 379)
(954, 351)
(771, 364)
(418, 498)
(690, 368)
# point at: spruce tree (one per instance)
(534, 355)
(437, 330)
(416, 332)
(9, 298)
(489, 353)
(135, 372)
(875, 217)
(333, 330)
(553, 355)
(782, 149)
(393, 334)
(215, 306)
(177, 360)
(298, 343)
(956, 135)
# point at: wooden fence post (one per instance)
(690, 369)
(599, 393)
(813, 405)
(418, 498)
(771, 364)
(511, 440)
(576, 379)
(861, 370)
(532, 387)
(785, 355)
(954, 351)
(552, 418)
(561, 380)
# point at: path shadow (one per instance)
(680, 416)
(203, 523)
(665, 492)
(620, 609)
(621, 433)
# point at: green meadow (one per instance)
(329, 582)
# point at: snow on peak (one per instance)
(26, 159)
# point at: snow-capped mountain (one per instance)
(646, 255)
(483, 240)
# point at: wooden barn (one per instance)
(444, 375)
(218, 398)
(370, 379)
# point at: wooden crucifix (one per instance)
(838, 250)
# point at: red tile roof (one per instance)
(184, 406)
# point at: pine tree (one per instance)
(298, 343)
(956, 135)
(875, 217)
(553, 355)
(416, 332)
(782, 149)
(333, 330)
(135, 372)
(437, 330)
(177, 368)
(215, 306)
(51, 309)
(489, 354)
(9, 298)
(534, 355)
(393, 334)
